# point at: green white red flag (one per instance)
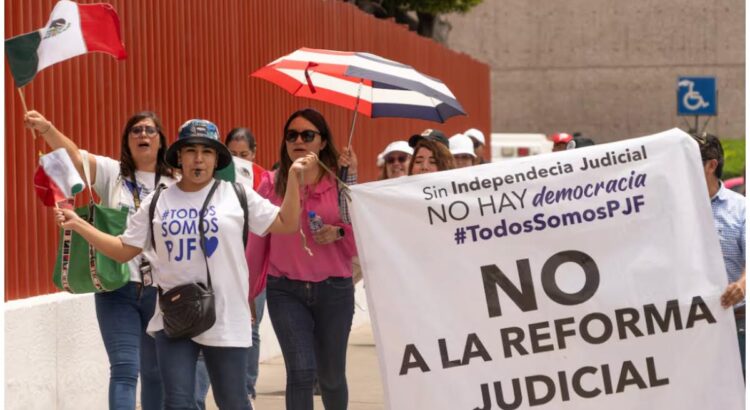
(56, 179)
(72, 29)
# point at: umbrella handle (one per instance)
(343, 173)
(356, 111)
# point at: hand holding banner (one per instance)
(585, 279)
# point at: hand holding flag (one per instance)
(56, 179)
(73, 29)
(37, 122)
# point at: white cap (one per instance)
(476, 134)
(398, 146)
(380, 161)
(461, 144)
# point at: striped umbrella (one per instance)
(363, 82)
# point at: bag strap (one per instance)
(151, 210)
(67, 244)
(242, 196)
(200, 228)
(68, 238)
(65, 259)
(86, 172)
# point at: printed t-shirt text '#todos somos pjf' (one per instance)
(180, 259)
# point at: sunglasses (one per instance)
(393, 159)
(139, 129)
(307, 135)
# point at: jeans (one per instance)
(201, 377)
(226, 370)
(254, 354)
(312, 321)
(202, 383)
(122, 321)
(741, 339)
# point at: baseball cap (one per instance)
(476, 134)
(198, 131)
(398, 146)
(561, 138)
(460, 144)
(429, 134)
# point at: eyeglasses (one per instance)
(307, 135)
(393, 159)
(139, 129)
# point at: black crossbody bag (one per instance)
(189, 310)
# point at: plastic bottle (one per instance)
(316, 223)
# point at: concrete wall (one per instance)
(55, 358)
(607, 68)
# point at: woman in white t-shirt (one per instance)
(180, 260)
(124, 313)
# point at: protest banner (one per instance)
(584, 279)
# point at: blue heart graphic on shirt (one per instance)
(211, 244)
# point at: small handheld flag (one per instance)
(56, 179)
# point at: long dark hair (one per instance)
(127, 164)
(328, 155)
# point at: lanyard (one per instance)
(144, 267)
(136, 196)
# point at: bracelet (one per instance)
(49, 125)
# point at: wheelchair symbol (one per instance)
(692, 100)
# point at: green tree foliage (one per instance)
(734, 157)
(428, 12)
(434, 7)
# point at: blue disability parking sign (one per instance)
(696, 96)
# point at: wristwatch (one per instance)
(341, 232)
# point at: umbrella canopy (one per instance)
(375, 86)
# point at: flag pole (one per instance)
(25, 108)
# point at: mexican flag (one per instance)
(56, 179)
(73, 29)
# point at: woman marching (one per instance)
(310, 295)
(124, 313)
(196, 232)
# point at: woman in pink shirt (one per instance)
(310, 297)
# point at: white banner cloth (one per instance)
(585, 279)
